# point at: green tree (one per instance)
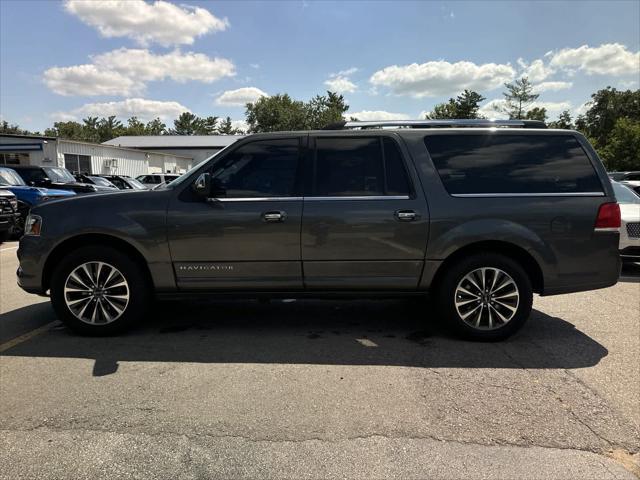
(206, 126)
(518, 97)
(70, 130)
(186, 124)
(12, 128)
(622, 151)
(135, 127)
(464, 106)
(109, 128)
(276, 113)
(155, 127)
(536, 113)
(226, 128)
(564, 121)
(323, 110)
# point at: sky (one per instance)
(391, 60)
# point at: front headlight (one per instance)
(33, 225)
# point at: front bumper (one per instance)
(8, 220)
(32, 255)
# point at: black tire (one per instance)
(447, 295)
(139, 290)
(4, 236)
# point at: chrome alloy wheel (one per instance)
(487, 298)
(96, 293)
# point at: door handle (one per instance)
(406, 215)
(275, 216)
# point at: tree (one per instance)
(206, 126)
(323, 110)
(135, 127)
(186, 124)
(226, 128)
(605, 108)
(68, 130)
(464, 106)
(276, 113)
(564, 121)
(537, 113)
(518, 97)
(155, 127)
(12, 128)
(622, 151)
(109, 128)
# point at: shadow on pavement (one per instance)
(390, 332)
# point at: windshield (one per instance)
(136, 184)
(60, 175)
(624, 194)
(101, 181)
(9, 177)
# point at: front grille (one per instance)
(633, 229)
(5, 206)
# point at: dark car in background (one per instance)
(52, 177)
(124, 182)
(100, 182)
(26, 196)
(482, 214)
(8, 213)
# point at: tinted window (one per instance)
(259, 169)
(512, 164)
(397, 180)
(32, 175)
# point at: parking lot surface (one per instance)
(321, 389)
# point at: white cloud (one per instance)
(607, 59)
(125, 72)
(241, 124)
(90, 80)
(178, 66)
(439, 78)
(535, 71)
(367, 115)
(158, 22)
(340, 85)
(240, 97)
(345, 73)
(140, 107)
(552, 86)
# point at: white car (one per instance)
(155, 179)
(630, 227)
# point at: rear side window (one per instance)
(504, 164)
(354, 167)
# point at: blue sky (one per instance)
(64, 60)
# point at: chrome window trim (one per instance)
(297, 199)
(361, 197)
(559, 194)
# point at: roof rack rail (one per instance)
(477, 123)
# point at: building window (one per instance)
(77, 163)
(14, 159)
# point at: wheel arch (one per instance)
(511, 250)
(91, 239)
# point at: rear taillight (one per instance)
(608, 218)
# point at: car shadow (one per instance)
(383, 332)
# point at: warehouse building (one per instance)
(196, 147)
(87, 157)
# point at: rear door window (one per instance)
(358, 166)
(504, 164)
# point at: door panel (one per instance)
(368, 228)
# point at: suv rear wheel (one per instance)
(486, 296)
(98, 290)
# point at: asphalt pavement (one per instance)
(321, 389)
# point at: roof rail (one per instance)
(477, 123)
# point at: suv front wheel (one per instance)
(486, 296)
(98, 290)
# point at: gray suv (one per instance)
(480, 214)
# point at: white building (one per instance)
(87, 157)
(196, 147)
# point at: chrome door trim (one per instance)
(361, 197)
(256, 199)
(498, 195)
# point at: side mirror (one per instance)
(202, 186)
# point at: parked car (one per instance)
(52, 177)
(625, 176)
(8, 213)
(101, 183)
(124, 182)
(155, 179)
(633, 185)
(481, 216)
(26, 196)
(630, 227)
